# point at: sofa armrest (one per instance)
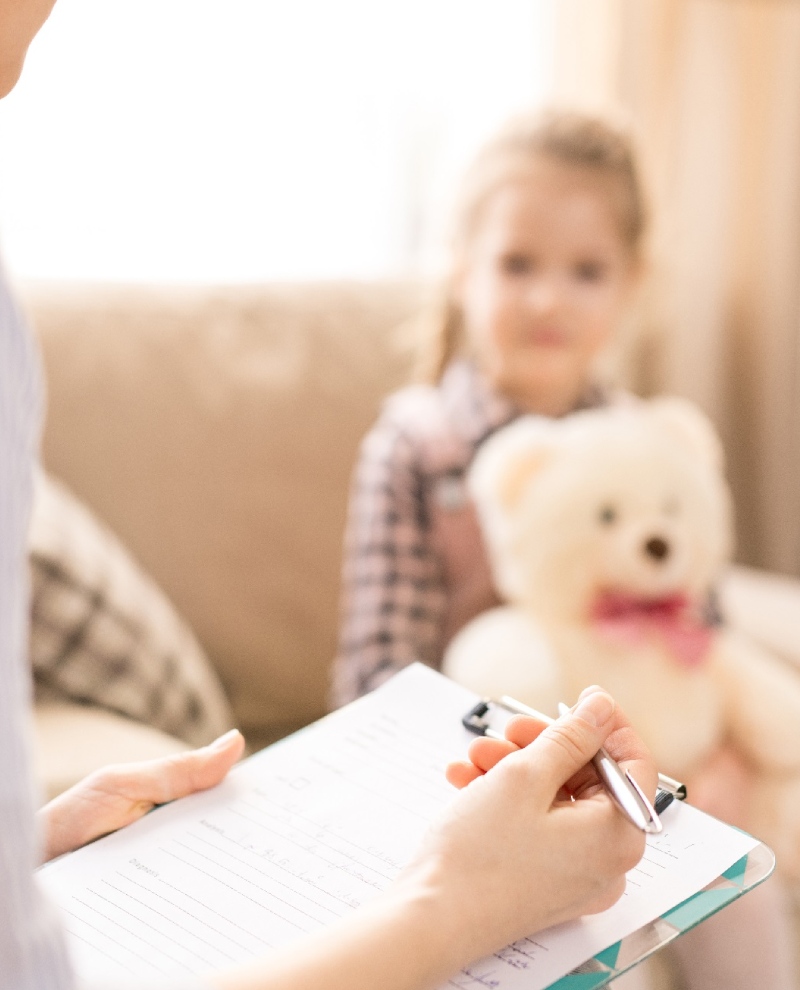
(765, 607)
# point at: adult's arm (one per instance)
(32, 951)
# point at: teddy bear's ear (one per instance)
(687, 422)
(507, 461)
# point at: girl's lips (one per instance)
(546, 337)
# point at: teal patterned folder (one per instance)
(748, 872)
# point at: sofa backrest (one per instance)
(215, 431)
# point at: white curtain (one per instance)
(713, 90)
(254, 139)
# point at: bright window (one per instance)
(255, 139)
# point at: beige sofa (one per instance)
(215, 431)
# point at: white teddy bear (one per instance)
(607, 532)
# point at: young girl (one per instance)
(547, 255)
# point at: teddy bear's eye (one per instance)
(608, 515)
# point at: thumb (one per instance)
(566, 746)
(196, 770)
(169, 777)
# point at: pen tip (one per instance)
(653, 823)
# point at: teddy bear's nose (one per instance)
(657, 548)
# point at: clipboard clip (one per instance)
(620, 784)
(476, 720)
(673, 787)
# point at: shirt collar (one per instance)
(473, 406)
(476, 410)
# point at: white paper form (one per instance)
(310, 828)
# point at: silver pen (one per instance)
(619, 783)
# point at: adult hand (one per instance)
(512, 855)
(520, 731)
(117, 795)
(515, 853)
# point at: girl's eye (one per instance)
(590, 271)
(515, 264)
(607, 515)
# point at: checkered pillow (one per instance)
(103, 633)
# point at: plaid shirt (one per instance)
(415, 568)
(397, 586)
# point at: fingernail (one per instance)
(596, 708)
(223, 740)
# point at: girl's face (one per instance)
(543, 284)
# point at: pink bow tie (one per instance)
(628, 620)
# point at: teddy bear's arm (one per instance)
(503, 651)
(761, 703)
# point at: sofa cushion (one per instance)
(103, 633)
(215, 430)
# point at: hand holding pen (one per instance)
(619, 780)
(622, 786)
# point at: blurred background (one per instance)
(253, 141)
(197, 140)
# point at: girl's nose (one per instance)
(544, 294)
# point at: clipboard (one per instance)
(285, 843)
(748, 872)
(744, 875)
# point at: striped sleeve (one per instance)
(33, 954)
(32, 951)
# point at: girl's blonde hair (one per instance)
(571, 138)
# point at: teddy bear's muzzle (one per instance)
(658, 549)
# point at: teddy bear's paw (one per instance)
(763, 704)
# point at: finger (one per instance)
(627, 748)
(462, 772)
(565, 747)
(487, 753)
(523, 729)
(483, 755)
(163, 780)
(200, 769)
